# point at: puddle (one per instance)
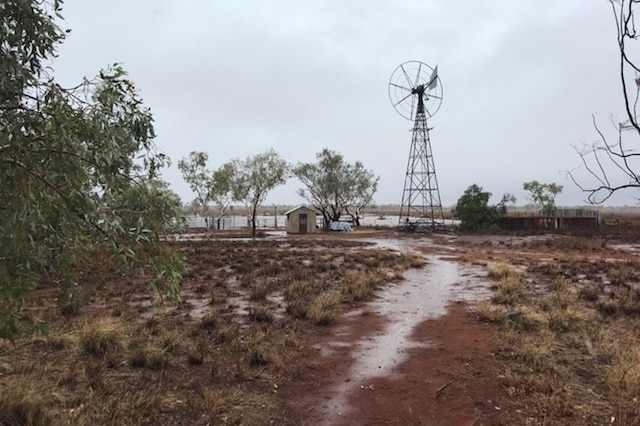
(626, 247)
(198, 307)
(423, 294)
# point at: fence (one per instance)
(236, 222)
(562, 220)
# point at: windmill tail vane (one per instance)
(433, 82)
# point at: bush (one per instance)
(474, 211)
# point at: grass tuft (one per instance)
(22, 406)
(151, 357)
(261, 314)
(324, 308)
(502, 270)
(487, 311)
(257, 352)
(103, 338)
(509, 290)
(357, 285)
(259, 290)
(209, 320)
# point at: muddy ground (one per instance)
(415, 355)
(413, 352)
(448, 367)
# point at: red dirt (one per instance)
(451, 378)
(452, 381)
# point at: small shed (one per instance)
(300, 220)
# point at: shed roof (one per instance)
(287, 213)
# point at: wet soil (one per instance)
(449, 378)
(425, 359)
(414, 356)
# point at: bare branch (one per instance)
(607, 163)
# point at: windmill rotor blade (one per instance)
(402, 100)
(429, 114)
(418, 75)
(400, 87)
(406, 75)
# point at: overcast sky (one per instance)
(235, 78)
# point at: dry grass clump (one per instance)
(209, 320)
(151, 356)
(298, 296)
(501, 270)
(485, 310)
(623, 379)
(259, 290)
(618, 348)
(156, 353)
(22, 404)
(261, 314)
(358, 285)
(412, 260)
(227, 334)
(510, 288)
(591, 292)
(258, 350)
(234, 406)
(324, 308)
(104, 338)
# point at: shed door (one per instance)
(302, 223)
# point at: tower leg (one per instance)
(421, 208)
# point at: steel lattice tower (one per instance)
(421, 206)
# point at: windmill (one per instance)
(415, 92)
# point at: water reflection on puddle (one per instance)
(423, 294)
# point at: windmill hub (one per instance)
(419, 92)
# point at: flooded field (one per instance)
(278, 221)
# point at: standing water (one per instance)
(423, 294)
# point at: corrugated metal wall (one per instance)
(563, 221)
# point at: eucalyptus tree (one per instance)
(208, 186)
(543, 195)
(195, 173)
(336, 187)
(221, 189)
(70, 159)
(252, 179)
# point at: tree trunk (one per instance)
(253, 221)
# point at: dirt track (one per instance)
(415, 355)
